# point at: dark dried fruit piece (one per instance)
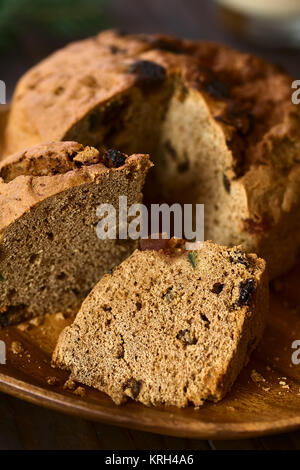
(114, 158)
(148, 74)
(186, 338)
(226, 183)
(2, 278)
(217, 288)
(134, 386)
(247, 289)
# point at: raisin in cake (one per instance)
(50, 255)
(169, 327)
(220, 127)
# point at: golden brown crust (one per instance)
(246, 95)
(41, 160)
(29, 177)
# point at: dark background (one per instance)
(29, 31)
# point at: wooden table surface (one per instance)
(25, 426)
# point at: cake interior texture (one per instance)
(50, 255)
(170, 327)
(250, 195)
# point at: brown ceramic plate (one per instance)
(265, 399)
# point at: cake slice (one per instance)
(169, 326)
(50, 255)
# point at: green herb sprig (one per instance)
(192, 257)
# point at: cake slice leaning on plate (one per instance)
(50, 255)
(169, 326)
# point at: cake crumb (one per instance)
(69, 384)
(257, 377)
(59, 316)
(23, 327)
(284, 385)
(80, 391)
(266, 389)
(230, 408)
(52, 380)
(16, 347)
(37, 321)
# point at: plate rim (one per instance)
(75, 406)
